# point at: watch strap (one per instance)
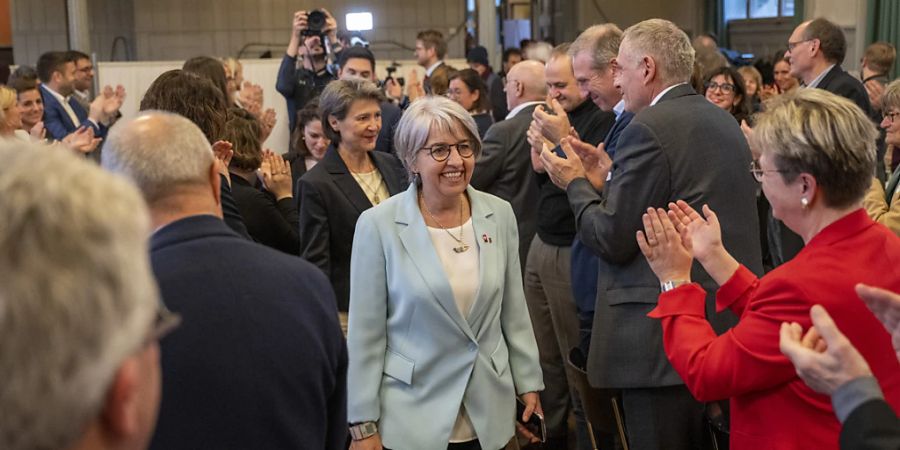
(672, 284)
(363, 430)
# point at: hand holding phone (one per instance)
(535, 430)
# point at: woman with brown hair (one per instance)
(468, 89)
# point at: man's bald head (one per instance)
(525, 82)
(162, 153)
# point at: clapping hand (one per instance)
(563, 170)
(553, 126)
(267, 123)
(597, 163)
(886, 307)
(38, 132)
(251, 97)
(702, 236)
(277, 176)
(414, 88)
(824, 358)
(661, 244)
(82, 140)
(875, 89)
(223, 151)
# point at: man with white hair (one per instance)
(677, 146)
(79, 311)
(260, 361)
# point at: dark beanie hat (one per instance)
(478, 55)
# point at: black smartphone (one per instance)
(535, 424)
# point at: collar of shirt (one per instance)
(429, 70)
(659, 96)
(815, 82)
(63, 100)
(519, 108)
(619, 108)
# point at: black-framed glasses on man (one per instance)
(792, 45)
(726, 88)
(440, 152)
(891, 116)
(758, 171)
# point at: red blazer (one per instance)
(771, 408)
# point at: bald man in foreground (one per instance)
(504, 167)
(260, 361)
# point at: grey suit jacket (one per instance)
(504, 169)
(681, 148)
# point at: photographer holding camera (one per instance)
(305, 69)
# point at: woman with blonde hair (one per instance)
(818, 157)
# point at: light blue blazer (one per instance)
(413, 357)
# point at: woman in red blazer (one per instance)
(818, 156)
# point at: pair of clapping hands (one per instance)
(81, 140)
(824, 358)
(275, 172)
(106, 105)
(582, 160)
(251, 98)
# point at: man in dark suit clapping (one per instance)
(677, 146)
(260, 361)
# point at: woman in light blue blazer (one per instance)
(440, 340)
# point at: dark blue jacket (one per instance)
(57, 121)
(259, 360)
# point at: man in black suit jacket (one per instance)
(816, 50)
(504, 167)
(259, 361)
(674, 148)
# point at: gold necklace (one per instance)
(368, 187)
(459, 240)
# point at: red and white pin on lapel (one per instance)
(487, 239)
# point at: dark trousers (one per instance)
(664, 418)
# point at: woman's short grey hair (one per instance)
(160, 152)
(827, 136)
(338, 97)
(891, 97)
(77, 296)
(667, 44)
(427, 115)
(601, 41)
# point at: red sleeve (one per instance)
(736, 292)
(744, 359)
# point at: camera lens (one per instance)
(316, 21)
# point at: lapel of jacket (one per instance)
(892, 185)
(414, 236)
(50, 101)
(344, 179)
(830, 77)
(489, 267)
(385, 163)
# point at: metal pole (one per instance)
(79, 25)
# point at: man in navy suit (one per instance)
(260, 361)
(63, 115)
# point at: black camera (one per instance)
(390, 74)
(315, 23)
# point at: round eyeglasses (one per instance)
(440, 152)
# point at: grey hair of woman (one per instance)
(427, 115)
(338, 97)
(827, 136)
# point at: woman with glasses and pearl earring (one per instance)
(440, 341)
(883, 201)
(818, 157)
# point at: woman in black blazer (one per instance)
(350, 179)
(268, 211)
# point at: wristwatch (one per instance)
(672, 284)
(363, 430)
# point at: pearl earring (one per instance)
(804, 202)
